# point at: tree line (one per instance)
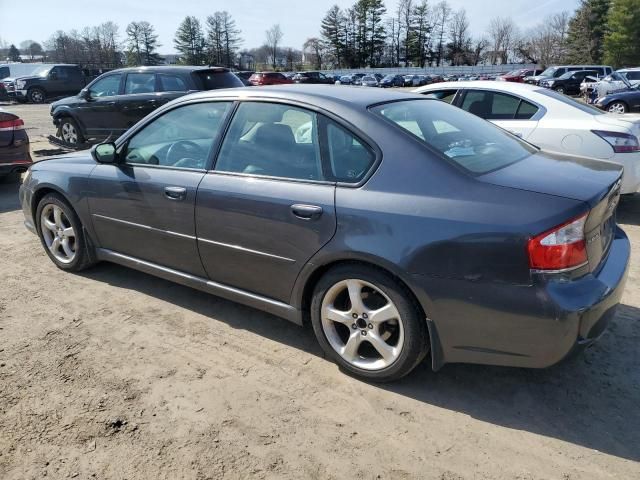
(416, 33)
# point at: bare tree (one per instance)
(547, 42)
(442, 13)
(459, 35)
(503, 36)
(316, 48)
(274, 36)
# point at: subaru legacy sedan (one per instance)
(395, 224)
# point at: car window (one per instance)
(106, 86)
(172, 83)
(526, 110)
(468, 141)
(349, 158)
(140, 83)
(273, 140)
(213, 79)
(4, 72)
(444, 95)
(60, 73)
(570, 101)
(635, 75)
(181, 138)
(491, 105)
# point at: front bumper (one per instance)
(25, 194)
(20, 94)
(532, 326)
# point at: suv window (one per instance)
(634, 75)
(171, 83)
(181, 138)
(106, 86)
(212, 79)
(497, 106)
(4, 72)
(468, 141)
(273, 140)
(140, 83)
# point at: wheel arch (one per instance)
(618, 101)
(40, 193)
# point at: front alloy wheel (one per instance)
(617, 107)
(58, 233)
(69, 132)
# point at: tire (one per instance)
(36, 95)
(617, 107)
(66, 227)
(350, 341)
(560, 90)
(70, 132)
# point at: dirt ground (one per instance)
(116, 374)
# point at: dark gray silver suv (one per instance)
(397, 224)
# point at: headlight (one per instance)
(20, 84)
(549, 83)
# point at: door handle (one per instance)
(175, 193)
(306, 212)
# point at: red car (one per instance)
(268, 78)
(14, 145)
(519, 75)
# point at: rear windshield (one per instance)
(570, 101)
(212, 79)
(472, 143)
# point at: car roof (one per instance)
(313, 94)
(633, 69)
(485, 84)
(170, 68)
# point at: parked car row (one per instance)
(461, 239)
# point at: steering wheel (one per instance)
(185, 153)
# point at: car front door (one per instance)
(97, 112)
(510, 112)
(267, 207)
(57, 81)
(138, 99)
(143, 206)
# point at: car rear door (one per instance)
(513, 113)
(143, 206)
(266, 208)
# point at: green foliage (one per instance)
(223, 39)
(586, 32)
(190, 42)
(622, 41)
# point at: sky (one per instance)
(298, 19)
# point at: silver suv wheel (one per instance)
(58, 233)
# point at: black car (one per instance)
(313, 78)
(621, 102)
(353, 208)
(49, 81)
(115, 101)
(392, 81)
(569, 83)
(15, 156)
(244, 76)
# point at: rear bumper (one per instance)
(532, 326)
(631, 176)
(15, 158)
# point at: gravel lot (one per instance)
(116, 374)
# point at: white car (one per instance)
(551, 121)
(619, 80)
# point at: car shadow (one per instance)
(628, 212)
(9, 200)
(590, 400)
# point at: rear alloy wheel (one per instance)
(62, 235)
(368, 323)
(36, 95)
(560, 90)
(69, 131)
(617, 107)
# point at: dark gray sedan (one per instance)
(398, 225)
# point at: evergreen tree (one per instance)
(14, 53)
(332, 31)
(223, 39)
(189, 41)
(622, 41)
(586, 32)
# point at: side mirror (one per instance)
(85, 94)
(105, 153)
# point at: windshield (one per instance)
(42, 71)
(566, 76)
(583, 107)
(368, 79)
(549, 72)
(469, 141)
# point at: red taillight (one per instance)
(15, 124)
(620, 142)
(560, 248)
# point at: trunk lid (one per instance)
(595, 182)
(630, 121)
(566, 176)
